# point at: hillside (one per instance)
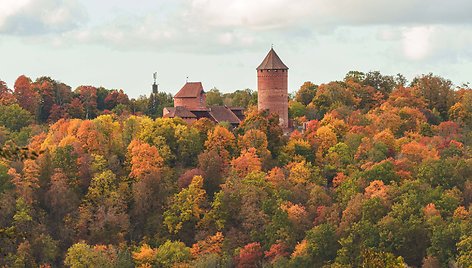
(377, 173)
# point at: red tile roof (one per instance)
(233, 115)
(272, 62)
(190, 90)
(223, 113)
(179, 111)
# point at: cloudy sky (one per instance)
(120, 43)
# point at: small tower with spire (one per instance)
(272, 86)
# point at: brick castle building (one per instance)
(190, 105)
(272, 87)
(272, 92)
(191, 96)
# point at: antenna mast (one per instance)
(155, 85)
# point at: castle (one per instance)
(272, 93)
(272, 87)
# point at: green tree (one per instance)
(5, 183)
(214, 97)
(103, 213)
(296, 109)
(440, 172)
(437, 92)
(82, 255)
(383, 83)
(14, 117)
(189, 145)
(306, 93)
(373, 259)
(322, 244)
(241, 98)
(444, 237)
(403, 229)
(171, 253)
(361, 236)
(464, 247)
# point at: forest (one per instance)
(377, 173)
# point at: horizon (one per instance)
(119, 45)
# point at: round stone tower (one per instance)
(272, 87)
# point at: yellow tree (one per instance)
(144, 256)
(299, 148)
(220, 139)
(111, 131)
(375, 189)
(386, 137)
(187, 206)
(462, 110)
(303, 172)
(214, 161)
(257, 139)
(337, 125)
(326, 138)
(211, 245)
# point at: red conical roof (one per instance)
(272, 62)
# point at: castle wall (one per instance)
(191, 103)
(273, 93)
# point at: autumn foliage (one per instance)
(376, 172)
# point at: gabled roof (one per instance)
(190, 90)
(233, 115)
(223, 113)
(239, 112)
(179, 111)
(272, 62)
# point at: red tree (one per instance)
(250, 256)
(6, 95)
(27, 98)
(88, 96)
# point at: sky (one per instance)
(119, 44)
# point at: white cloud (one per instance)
(417, 42)
(414, 28)
(259, 15)
(11, 7)
(270, 14)
(36, 17)
(437, 43)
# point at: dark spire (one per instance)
(272, 62)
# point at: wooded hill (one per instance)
(381, 176)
